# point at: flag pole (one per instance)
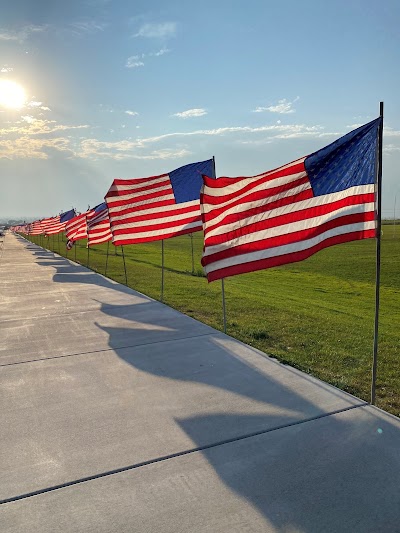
(378, 200)
(123, 257)
(222, 280)
(108, 247)
(191, 240)
(223, 303)
(162, 271)
(87, 257)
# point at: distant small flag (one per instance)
(158, 207)
(98, 225)
(36, 228)
(288, 214)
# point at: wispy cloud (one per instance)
(161, 52)
(390, 132)
(137, 60)
(89, 26)
(158, 31)
(394, 136)
(29, 125)
(125, 149)
(190, 113)
(283, 106)
(390, 148)
(142, 148)
(22, 34)
(28, 148)
(36, 137)
(6, 69)
(134, 62)
(37, 105)
(132, 113)
(276, 131)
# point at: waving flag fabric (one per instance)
(288, 214)
(98, 225)
(54, 225)
(158, 207)
(36, 228)
(75, 228)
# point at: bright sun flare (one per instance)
(12, 95)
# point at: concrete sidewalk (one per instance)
(120, 414)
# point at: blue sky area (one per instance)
(127, 89)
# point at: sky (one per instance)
(122, 89)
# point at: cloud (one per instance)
(28, 148)
(137, 60)
(190, 113)
(125, 149)
(6, 69)
(161, 52)
(142, 148)
(354, 126)
(87, 27)
(29, 119)
(37, 105)
(22, 34)
(283, 107)
(390, 132)
(30, 125)
(390, 148)
(276, 131)
(132, 113)
(158, 31)
(134, 62)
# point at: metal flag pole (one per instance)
(58, 241)
(191, 240)
(88, 257)
(162, 271)
(394, 217)
(123, 257)
(222, 280)
(223, 303)
(108, 247)
(75, 245)
(378, 204)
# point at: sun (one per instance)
(12, 95)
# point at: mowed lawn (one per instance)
(316, 315)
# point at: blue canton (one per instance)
(347, 162)
(187, 181)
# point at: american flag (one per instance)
(54, 225)
(36, 228)
(75, 228)
(288, 214)
(158, 207)
(98, 225)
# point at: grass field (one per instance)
(316, 315)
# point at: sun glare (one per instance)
(12, 95)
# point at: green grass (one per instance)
(316, 315)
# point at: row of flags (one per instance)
(249, 223)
